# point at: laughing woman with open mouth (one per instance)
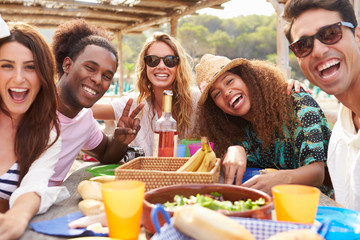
(29, 139)
(244, 111)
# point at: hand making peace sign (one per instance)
(128, 126)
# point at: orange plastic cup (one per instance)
(123, 202)
(296, 203)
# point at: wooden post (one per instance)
(173, 27)
(356, 6)
(282, 51)
(120, 67)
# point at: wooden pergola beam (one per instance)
(51, 21)
(111, 7)
(127, 18)
(188, 11)
(121, 18)
(73, 12)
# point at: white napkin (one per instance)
(4, 30)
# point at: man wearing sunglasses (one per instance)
(325, 38)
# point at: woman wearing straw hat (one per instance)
(244, 111)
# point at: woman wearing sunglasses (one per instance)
(257, 125)
(325, 38)
(163, 64)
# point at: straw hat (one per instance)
(210, 68)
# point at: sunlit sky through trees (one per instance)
(236, 8)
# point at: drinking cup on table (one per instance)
(186, 142)
(193, 147)
(123, 202)
(181, 150)
(296, 203)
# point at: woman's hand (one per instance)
(312, 174)
(13, 223)
(265, 182)
(292, 83)
(12, 226)
(234, 162)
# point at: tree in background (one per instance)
(223, 43)
(296, 72)
(195, 39)
(252, 37)
(211, 23)
(129, 70)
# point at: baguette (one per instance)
(88, 220)
(90, 190)
(300, 234)
(103, 179)
(98, 228)
(90, 207)
(203, 223)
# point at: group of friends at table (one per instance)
(252, 113)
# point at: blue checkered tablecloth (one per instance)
(261, 229)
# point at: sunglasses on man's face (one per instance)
(169, 61)
(328, 35)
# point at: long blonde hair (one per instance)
(181, 104)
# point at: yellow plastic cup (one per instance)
(296, 203)
(123, 202)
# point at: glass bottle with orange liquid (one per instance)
(165, 137)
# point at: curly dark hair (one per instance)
(71, 38)
(271, 109)
(33, 133)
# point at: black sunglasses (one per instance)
(328, 35)
(170, 60)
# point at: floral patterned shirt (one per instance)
(309, 143)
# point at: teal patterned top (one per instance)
(309, 143)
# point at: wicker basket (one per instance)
(161, 171)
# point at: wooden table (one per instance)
(70, 205)
(65, 207)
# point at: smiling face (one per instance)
(333, 68)
(161, 76)
(88, 77)
(231, 95)
(19, 82)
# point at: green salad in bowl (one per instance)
(242, 201)
(214, 201)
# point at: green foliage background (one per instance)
(252, 37)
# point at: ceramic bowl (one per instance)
(229, 192)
